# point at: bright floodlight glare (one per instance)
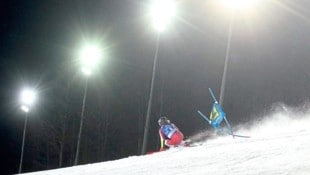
(24, 108)
(86, 71)
(239, 5)
(90, 56)
(27, 97)
(162, 11)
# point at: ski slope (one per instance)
(279, 144)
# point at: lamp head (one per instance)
(27, 99)
(162, 12)
(90, 56)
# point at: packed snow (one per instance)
(279, 144)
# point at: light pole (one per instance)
(161, 13)
(89, 58)
(223, 83)
(233, 6)
(27, 99)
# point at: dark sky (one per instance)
(39, 40)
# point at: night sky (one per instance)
(39, 41)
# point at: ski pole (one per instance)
(212, 95)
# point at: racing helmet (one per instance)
(163, 120)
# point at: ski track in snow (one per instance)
(278, 146)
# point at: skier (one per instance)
(169, 134)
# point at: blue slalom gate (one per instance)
(217, 115)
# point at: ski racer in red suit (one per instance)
(169, 134)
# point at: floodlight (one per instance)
(86, 71)
(162, 11)
(239, 5)
(24, 108)
(89, 57)
(27, 97)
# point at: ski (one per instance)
(184, 144)
(242, 136)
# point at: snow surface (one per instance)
(279, 144)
